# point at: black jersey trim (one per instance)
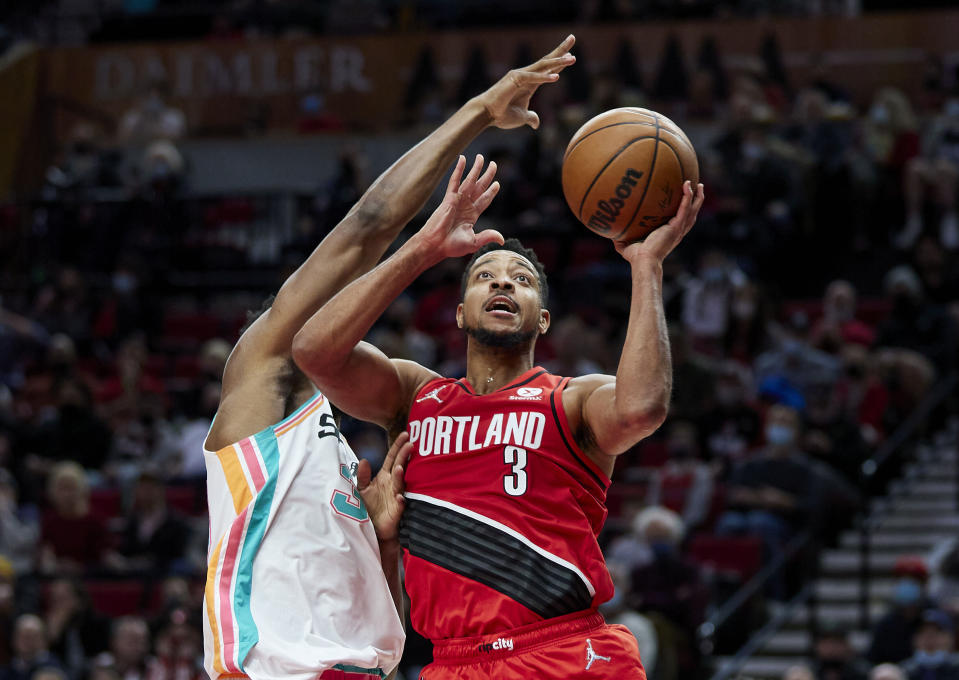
(482, 550)
(522, 382)
(569, 447)
(464, 387)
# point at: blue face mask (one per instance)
(713, 275)
(936, 658)
(906, 592)
(662, 550)
(779, 435)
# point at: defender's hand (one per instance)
(449, 230)
(661, 242)
(383, 496)
(507, 102)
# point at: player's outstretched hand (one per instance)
(383, 496)
(507, 101)
(661, 242)
(449, 230)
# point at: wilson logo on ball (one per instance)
(609, 209)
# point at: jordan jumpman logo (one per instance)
(592, 656)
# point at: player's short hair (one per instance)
(514, 245)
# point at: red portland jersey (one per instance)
(503, 509)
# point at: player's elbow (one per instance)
(309, 362)
(375, 219)
(644, 418)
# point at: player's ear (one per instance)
(543, 321)
(459, 315)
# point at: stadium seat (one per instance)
(186, 499)
(106, 503)
(189, 327)
(122, 597)
(739, 555)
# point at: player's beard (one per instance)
(501, 339)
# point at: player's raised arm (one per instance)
(614, 414)
(356, 376)
(358, 242)
(355, 245)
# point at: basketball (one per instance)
(623, 172)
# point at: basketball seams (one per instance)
(678, 159)
(609, 211)
(673, 148)
(603, 169)
(600, 129)
(649, 179)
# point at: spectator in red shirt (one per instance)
(839, 324)
(72, 540)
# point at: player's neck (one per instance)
(490, 368)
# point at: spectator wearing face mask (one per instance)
(838, 324)
(693, 378)
(835, 657)
(748, 331)
(892, 637)
(670, 591)
(793, 367)
(934, 641)
(772, 495)
(914, 323)
(732, 426)
(684, 484)
(706, 302)
(617, 611)
(937, 170)
(863, 395)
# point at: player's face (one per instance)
(503, 297)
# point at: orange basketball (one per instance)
(623, 172)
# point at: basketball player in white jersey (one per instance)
(303, 578)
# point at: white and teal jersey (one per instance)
(294, 581)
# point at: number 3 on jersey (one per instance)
(349, 504)
(515, 484)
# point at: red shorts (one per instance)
(579, 645)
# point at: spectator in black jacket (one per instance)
(30, 650)
(153, 537)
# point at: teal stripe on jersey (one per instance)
(373, 672)
(248, 634)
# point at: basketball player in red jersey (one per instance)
(261, 385)
(507, 482)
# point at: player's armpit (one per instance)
(369, 385)
(604, 428)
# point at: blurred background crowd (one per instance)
(152, 19)
(812, 311)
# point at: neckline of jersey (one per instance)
(521, 380)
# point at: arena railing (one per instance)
(806, 544)
(873, 478)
